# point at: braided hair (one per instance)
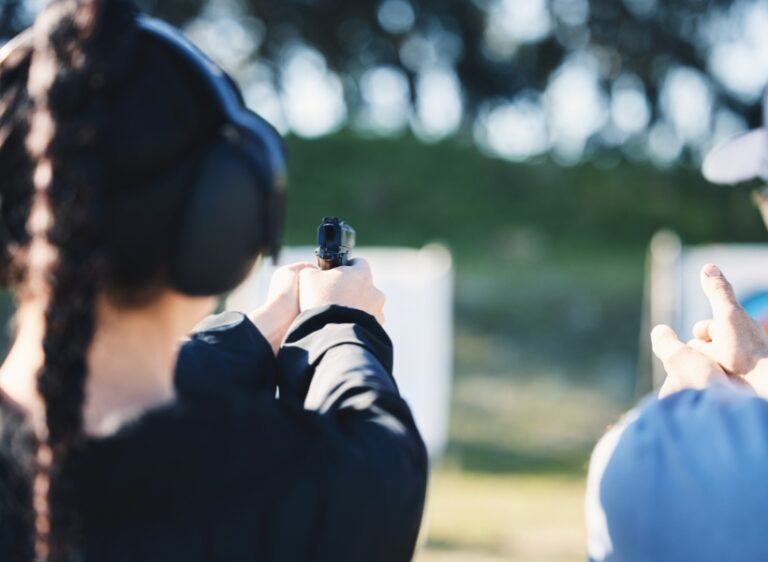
(77, 50)
(68, 90)
(16, 183)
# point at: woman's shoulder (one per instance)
(187, 451)
(193, 428)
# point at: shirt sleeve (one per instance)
(678, 476)
(599, 545)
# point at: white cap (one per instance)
(741, 158)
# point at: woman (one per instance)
(114, 443)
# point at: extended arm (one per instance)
(336, 365)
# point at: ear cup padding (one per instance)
(218, 238)
(141, 225)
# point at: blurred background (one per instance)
(544, 142)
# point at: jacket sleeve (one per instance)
(335, 370)
(225, 356)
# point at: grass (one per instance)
(512, 485)
(512, 517)
(541, 425)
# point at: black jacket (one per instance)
(332, 470)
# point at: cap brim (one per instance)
(741, 158)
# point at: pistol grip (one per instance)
(325, 264)
(336, 261)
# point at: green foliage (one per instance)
(550, 260)
(404, 192)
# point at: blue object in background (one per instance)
(756, 306)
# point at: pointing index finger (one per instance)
(665, 342)
(719, 292)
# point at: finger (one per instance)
(308, 273)
(709, 350)
(669, 386)
(686, 367)
(379, 298)
(701, 330)
(720, 293)
(702, 347)
(665, 342)
(297, 267)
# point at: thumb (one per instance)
(686, 367)
(297, 267)
(720, 293)
(665, 343)
(361, 264)
(308, 274)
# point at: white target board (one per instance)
(418, 284)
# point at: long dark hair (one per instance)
(73, 84)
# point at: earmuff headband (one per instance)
(236, 114)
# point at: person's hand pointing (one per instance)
(731, 338)
(730, 347)
(685, 367)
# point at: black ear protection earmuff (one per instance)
(234, 207)
(233, 192)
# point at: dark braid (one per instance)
(80, 49)
(93, 120)
(16, 186)
(16, 190)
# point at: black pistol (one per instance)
(335, 240)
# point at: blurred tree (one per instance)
(643, 37)
(497, 49)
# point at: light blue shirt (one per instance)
(684, 478)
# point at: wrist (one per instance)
(273, 320)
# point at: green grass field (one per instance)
(511, 487)
(504, 517)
